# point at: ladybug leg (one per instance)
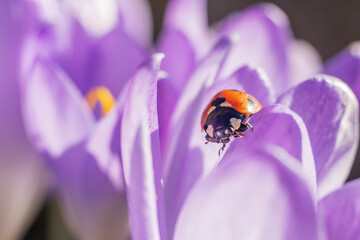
(239, 135)
(249, 126)
(244, 127)
(221, 149)
(212, 140)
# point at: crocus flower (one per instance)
(22, 176)
(69, 76)
(143, 170)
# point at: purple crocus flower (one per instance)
(22, 176)
(143, 170)
(70, 74)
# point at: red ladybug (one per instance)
(227, 114)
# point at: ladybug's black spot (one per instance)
(218, 101)
(251, 101)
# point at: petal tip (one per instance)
(155, 60)
(354, 49)
(336, 83)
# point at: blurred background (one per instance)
(329, 25)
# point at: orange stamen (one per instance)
(102, 96)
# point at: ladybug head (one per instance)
(220, 134)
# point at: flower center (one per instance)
(100, 96)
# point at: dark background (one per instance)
(329, 25)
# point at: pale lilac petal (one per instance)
(190, 18)
(264, 35)
(140, 149)
(107, 61)
(166, 100)
(104, 145)
(184, 144)
(136, 15)
(179, 61)
(116, 58)
(91, 182)
(279, 126)
(99, 17)
(55, 113)
(345, 66)
(305, 61)
(339, 213)
(22, 175)
(93, 207)
(254, 196)
(330, 111)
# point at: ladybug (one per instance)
(227, 116)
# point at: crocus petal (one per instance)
(339, 213)
(254, 196)
(22, 175)
(140, 149)
(305, 61)
(99, 17)
(264, 35)
(330, 112)
(109, 60)
(137, 18)
(177, 49)
(190, 18)
(55, 113)
(279, 126)
(181, 171)
(91, 182)
(345, 66)
(166, 100)
(94, 208)
(116, 57)
(104, 145)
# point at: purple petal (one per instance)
(140, 148)
(345, 66)
(331, 119)
(92, 183)
(55, 113)
(116, 58)
(305, 61)
(108, 61)
(264, 34)
(104, 145)
(184, 142)
(177, 49)
(254, 195)
(136, 15)
(279, 126)
(166, 100)
(100, 17)
(22, 175)
(194, 26)
(93, 207)
(339, 213)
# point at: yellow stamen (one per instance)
(102, 96)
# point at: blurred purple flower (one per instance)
(145, 161)
(22, 176)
